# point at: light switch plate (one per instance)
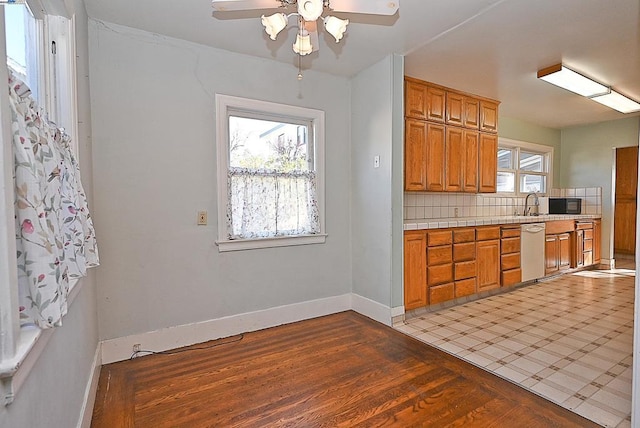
(202, 218)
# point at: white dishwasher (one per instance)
(532, 236)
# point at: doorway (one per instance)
(625, 204)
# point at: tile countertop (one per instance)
(438, 223)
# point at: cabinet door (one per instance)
(435, 157)
(597, 241)
(488, 116)
(455, 109)
(471, 113)
(436, 101)
(551, 254)
(455, 156)
(488, 263)
(415, 270)
(415, 95)
(488, 163)
(579, 251)
(415, 155)
(564, 246)
(471, 161)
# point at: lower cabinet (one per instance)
(557, 252)
(446, 264)
(415, 269)
(488, 258)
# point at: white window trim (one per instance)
(223, 104)
(533, 147)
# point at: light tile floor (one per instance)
(568, 339)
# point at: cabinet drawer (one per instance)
(511, 277)
(439, 274)
(465, 287)
(510, 261)
(441, 293)
(486, 233)
(439, 255)
(464, 252)
(510, 245)
(588, 245)
(584, 225)
(559, 226)
(588, 234)
(464, 235)
(440, 237)
(510, 232)
(464, 270)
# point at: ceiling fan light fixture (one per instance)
(310, 10)
(570, 80)
(617, 101)
(274, 24)
(302, 46)
(336, 26)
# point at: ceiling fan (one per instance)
(308, 12)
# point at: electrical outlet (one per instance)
(202, 218)
(136, 347)
(456, 212)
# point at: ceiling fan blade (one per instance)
(312, 28)
(233, 5)
(374, 7)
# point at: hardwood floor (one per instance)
(338, 370)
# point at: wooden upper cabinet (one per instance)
(455, 159)
(415, 94)
(470, 161)
(415, 155)
(455, 111)
(435, 157)
(488, 116)
(436, 104)
(488, 163)
(471, 113)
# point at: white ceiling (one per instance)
(491, 48)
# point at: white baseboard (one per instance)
(86, 412)
(120, 348)
(372, 309)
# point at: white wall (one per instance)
(155, 167)
(587, 161)
(373, 95)
(53, 393)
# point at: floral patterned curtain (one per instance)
(54, 233)
(267, 203)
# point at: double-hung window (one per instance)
(523, 167)
(270, 174)
(40, 51)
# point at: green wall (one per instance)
(587, 154)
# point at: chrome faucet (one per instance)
(527, 208)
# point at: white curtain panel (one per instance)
(55, 238)
(266, 203)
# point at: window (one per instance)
(523, 167)
(40, 49)
(270, 174)
(24, 46)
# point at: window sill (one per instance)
(30, 345)
(281, 241)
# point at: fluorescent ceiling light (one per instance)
(618, 102)
(568, 79)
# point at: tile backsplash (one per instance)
(452, 205)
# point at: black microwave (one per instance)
(565, 205)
